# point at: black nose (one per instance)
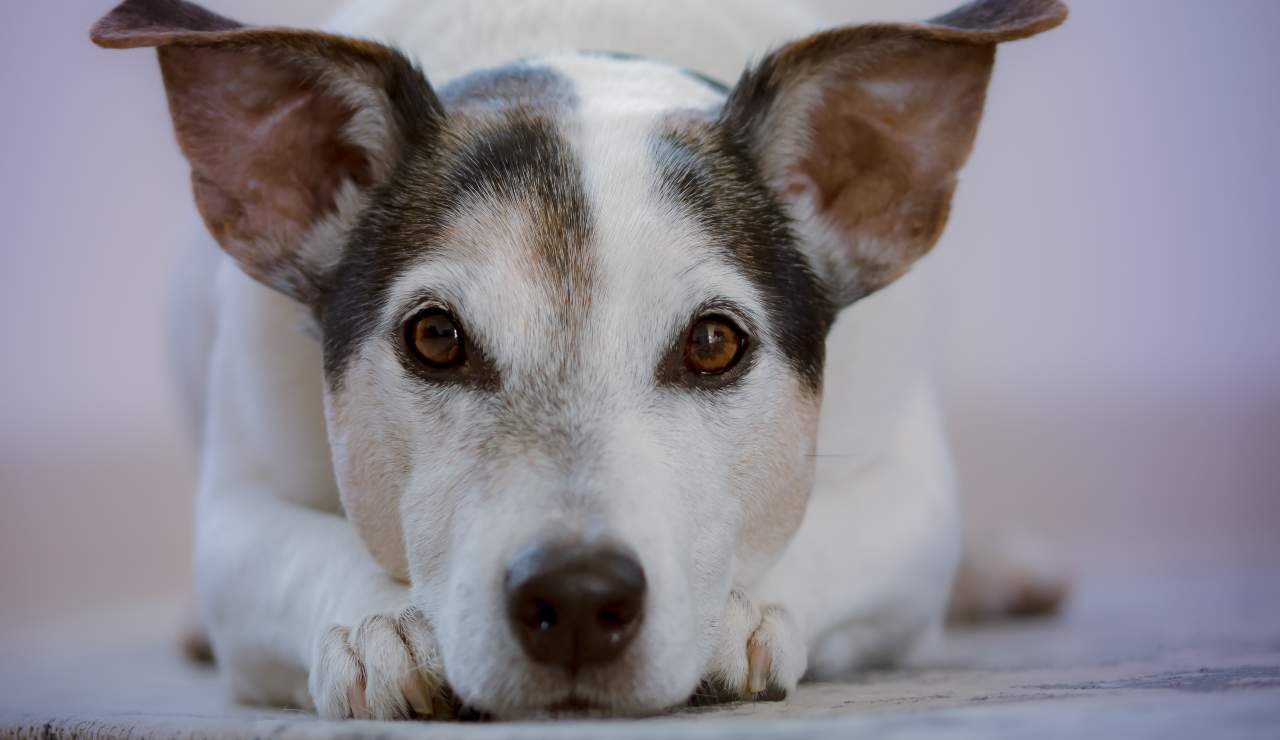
(574, 606)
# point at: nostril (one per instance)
(538, 614)
(611, 617)
(616, 616)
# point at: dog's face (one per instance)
(573, 309)
(598, 333)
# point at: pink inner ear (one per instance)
(266, 147)
(885, 150)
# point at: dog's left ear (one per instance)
(862, 131)
(287, 131)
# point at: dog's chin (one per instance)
(651, 677)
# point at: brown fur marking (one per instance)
(265, 116)
(878, 120)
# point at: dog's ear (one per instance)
(861, 131)
(286, 131)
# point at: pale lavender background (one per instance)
(1108, 337)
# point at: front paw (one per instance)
(761, 654)
(387, 667)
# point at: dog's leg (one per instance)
(300, 614)
(298, 611)
(865, 578)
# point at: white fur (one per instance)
(863, 579)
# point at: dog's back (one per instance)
(451, 37)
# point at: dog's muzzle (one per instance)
(572, 605)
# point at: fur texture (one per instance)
(575, 212)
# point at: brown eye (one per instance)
(435, 339)
(715, 345)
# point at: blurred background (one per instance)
(1108, 340)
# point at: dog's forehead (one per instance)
(567, 243)
(570, 193)
(568, 81)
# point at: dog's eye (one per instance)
(714, 346)
(435, 339)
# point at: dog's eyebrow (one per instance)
(731, 308)
(526, 160)
(515, 154)
(704, 171)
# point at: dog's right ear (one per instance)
(287, 131)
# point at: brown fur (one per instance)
(266, 117)
(284, 137)
(878, 120)
(887, 169)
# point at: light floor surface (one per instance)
(1167, 656)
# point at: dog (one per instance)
(510, 389)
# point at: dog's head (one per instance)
(573, 309)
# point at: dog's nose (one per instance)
(574, 606)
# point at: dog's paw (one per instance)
(761, 654)
(386, 667)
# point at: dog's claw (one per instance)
(761, 654)
(758, 663)
(387, 667)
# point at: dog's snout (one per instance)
(574, 606)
